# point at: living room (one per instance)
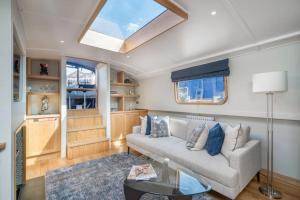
(153, 99)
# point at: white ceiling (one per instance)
(238, 24)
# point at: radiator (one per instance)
(198, 117)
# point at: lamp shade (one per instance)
(270, 82)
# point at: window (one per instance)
(120, 19)
(211, 90)
(121, 26)
(81, 86)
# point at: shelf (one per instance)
(43, 77)
(125, 84)
(43, 93)
(125, 96)
(81, 89)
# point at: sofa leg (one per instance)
(128, 150)
(258, 176)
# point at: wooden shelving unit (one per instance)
(43, 135)
(123, 97)
(36, 81)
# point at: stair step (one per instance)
(86, 147)
(85, 128)
(86, 142)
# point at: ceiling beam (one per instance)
(170, 5)
(92, 18)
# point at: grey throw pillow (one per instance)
(194, 136)
(160, 127)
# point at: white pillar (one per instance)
(63, 108)
(103, 79)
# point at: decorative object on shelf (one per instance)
(16, 66)
(127, 80)
(45, 102)
(131, 92)
(44, 69)
(269, 83)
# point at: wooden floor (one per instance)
(290, 191)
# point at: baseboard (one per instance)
(282, 179)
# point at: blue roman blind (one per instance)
(218, 68)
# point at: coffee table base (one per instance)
(131, 194)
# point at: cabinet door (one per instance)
(131, 120)
(42, 136)
(117, 126)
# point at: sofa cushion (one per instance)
(192, 124)
(148, 129)
(213, 167)
(200, 144)
(215, 140)
(160, 127)
(193, 138)
(143, 125)
(178, 128)
(156, 145)
(244, 136)
(230, 140)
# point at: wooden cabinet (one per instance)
(131, 120)
(123, 122)
(42, 136)
(117, 126)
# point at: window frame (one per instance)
(203, 102)
(69, 90)
(141, 36)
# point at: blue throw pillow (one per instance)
(215, 140)
(148, 129)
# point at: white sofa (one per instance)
(227, 176)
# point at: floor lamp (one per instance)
(270, 83)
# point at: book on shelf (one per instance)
(142, 172)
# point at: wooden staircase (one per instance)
(85, 133)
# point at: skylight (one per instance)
(123, 25)
(121, 19)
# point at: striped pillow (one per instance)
(194, 137)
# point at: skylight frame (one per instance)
(92, 38)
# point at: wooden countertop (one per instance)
(129, 111)
(42, 116)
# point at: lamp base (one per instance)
(270, 192)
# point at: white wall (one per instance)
(6, 161)
(19, 108)
(157, 93)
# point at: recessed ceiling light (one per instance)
(213, 13)
(127, 56)
(62, 41)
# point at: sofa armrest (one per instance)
(247, 161)
(136, 129)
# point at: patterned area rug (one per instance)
(100, 179)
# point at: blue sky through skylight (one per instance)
(122, 18)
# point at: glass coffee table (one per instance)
(174, 184)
